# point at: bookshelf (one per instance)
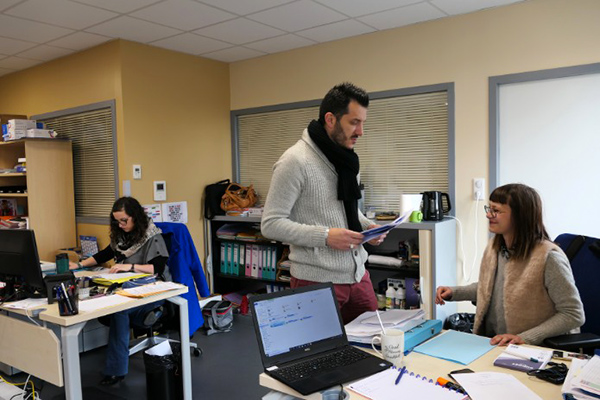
(49, 202)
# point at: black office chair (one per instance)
(584, 254)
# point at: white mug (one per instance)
(392, 346)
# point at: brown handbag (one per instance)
(237, 197)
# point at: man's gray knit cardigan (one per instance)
(301, 205)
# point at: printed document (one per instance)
(371, 234)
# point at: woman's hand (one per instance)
(73, 265)
(506, 339)
(442, 293)
(378, 240)
(120, 268)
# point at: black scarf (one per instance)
(346, 165)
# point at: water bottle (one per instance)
(390, 293)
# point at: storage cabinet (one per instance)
(225, 280)
(49, 201)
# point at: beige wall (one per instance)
(466, 50)
(172, 116)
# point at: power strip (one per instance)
(8, 392)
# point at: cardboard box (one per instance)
(21, 124)
(41, 133)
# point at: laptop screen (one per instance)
(298, 320)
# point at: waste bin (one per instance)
(163, 374)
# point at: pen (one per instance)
(402, 371)
(532, 359)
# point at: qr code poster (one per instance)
(175, 212)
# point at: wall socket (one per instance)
(478, 188)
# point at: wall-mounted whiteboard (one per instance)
(549, 138)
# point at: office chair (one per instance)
(584, 255)
(163, 318)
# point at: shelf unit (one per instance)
(436, 241)
(50, 200)
(224, 283)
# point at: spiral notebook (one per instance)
(382, 386)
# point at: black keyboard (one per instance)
(318, 365)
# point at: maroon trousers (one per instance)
(353, 299)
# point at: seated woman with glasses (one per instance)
(526, 291)
(136, 245)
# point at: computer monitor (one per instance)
(20, 264)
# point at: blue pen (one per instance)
(402, 371)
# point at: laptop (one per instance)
(302, 340)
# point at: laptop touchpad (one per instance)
(332, 376)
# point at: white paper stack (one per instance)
(365, 327)
(583, 379)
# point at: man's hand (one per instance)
(442, 293)
(343, 239)
(378, 240)
(506, 339)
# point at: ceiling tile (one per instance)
(18, 28)
(120, 6)
(280, 43)
(191, 44)
(297, 16)
(61, 12)
(79, 41)
(233, 54)
(13, 46)
(402, 16)
(239, 31)
(356, 8)
(133, 29)
(245, 7)
(17, 63)
(335, 31)
(183, 14)
(455, 7)
(4, 4)
(45, 53)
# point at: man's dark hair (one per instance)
(337, 99)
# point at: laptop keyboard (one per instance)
(315, 366)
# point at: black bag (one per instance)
(212, 198)
(462, 322)
(218, 316)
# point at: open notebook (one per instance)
(382, 386)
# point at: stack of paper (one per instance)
(109, 279)
(494, 386)
(523, 358)
(365, 327)
(583, 379)
(149, 290)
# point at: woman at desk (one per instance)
(136, 245)
(526, 290)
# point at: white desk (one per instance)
(30, 348)
(433, 368)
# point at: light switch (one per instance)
(137, 171)
(160, 190)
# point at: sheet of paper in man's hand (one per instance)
(371, 234)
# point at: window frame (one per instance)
(447, 87)
(110, 104)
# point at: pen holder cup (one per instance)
(67, 304)
(335, 394)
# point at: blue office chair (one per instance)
(584, 254)
(185, 268)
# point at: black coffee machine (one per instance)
(432, 206)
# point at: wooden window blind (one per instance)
(93, 159)
(404, 148)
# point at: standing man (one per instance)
(313, 203)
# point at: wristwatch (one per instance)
(132, 268)
(326, 236)
(79, 265)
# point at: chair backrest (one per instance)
(585, 264)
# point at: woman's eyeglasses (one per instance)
(493, 212)
(122, 221)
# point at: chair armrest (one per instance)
(573, 342)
